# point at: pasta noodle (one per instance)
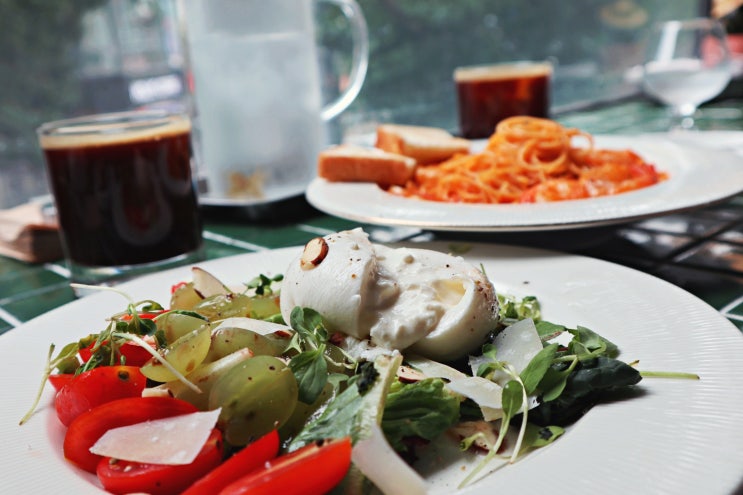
(530, 159)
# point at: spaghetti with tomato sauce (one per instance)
(529, 160)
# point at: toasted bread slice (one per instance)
(350, 163)
(424, 144)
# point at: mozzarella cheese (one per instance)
(339, 288)
(432, 303)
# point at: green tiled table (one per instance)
(701, 251)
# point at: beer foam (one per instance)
(75, 133)
(502, 71)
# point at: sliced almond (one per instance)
(314, 252)
(482, 431)
(408, 375)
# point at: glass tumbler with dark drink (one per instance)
(124, 192)
(487, 94)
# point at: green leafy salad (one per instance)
(330, 394)
(264, 364)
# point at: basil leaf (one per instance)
(351, 412)
(583, 388)
(537, 367)
(539, 436)
(587, 344)
(547, 330)
(66, 361)
(601, 374)
(553, 383)
(141, 326)
(336, 421)
(309, 325)
(311, 371)
(151, 306)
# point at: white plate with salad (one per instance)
(669, 435)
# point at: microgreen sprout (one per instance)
(50, 365)
(665, 374)
(115, 331)
(262, 284)
(669, 374)
(102, 288)
(514, 401)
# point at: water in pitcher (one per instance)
(258, 100)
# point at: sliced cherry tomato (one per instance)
(59, 380)
(251, 457)
(311, 470)
(149, 315)
(86, 352)
(121, 477)
(87, 428)
(93, 387)
(133, 353)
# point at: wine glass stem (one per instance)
(684, 116)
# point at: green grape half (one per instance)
(228, 339)
(224, 306)
(175, 325)
(185, 297)
(204, 377)
(256, 396)
(302, 413)
(185, 354)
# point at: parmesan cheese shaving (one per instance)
(173, 441)
(374, 457)
(485, 393)
(516, 345)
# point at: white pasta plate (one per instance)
(700, 173)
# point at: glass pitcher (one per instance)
(259, 117)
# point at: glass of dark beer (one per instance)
(487, 94)
(124, 193)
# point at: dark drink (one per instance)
(123, 190)
(489, 94)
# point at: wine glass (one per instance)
(687, 63)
